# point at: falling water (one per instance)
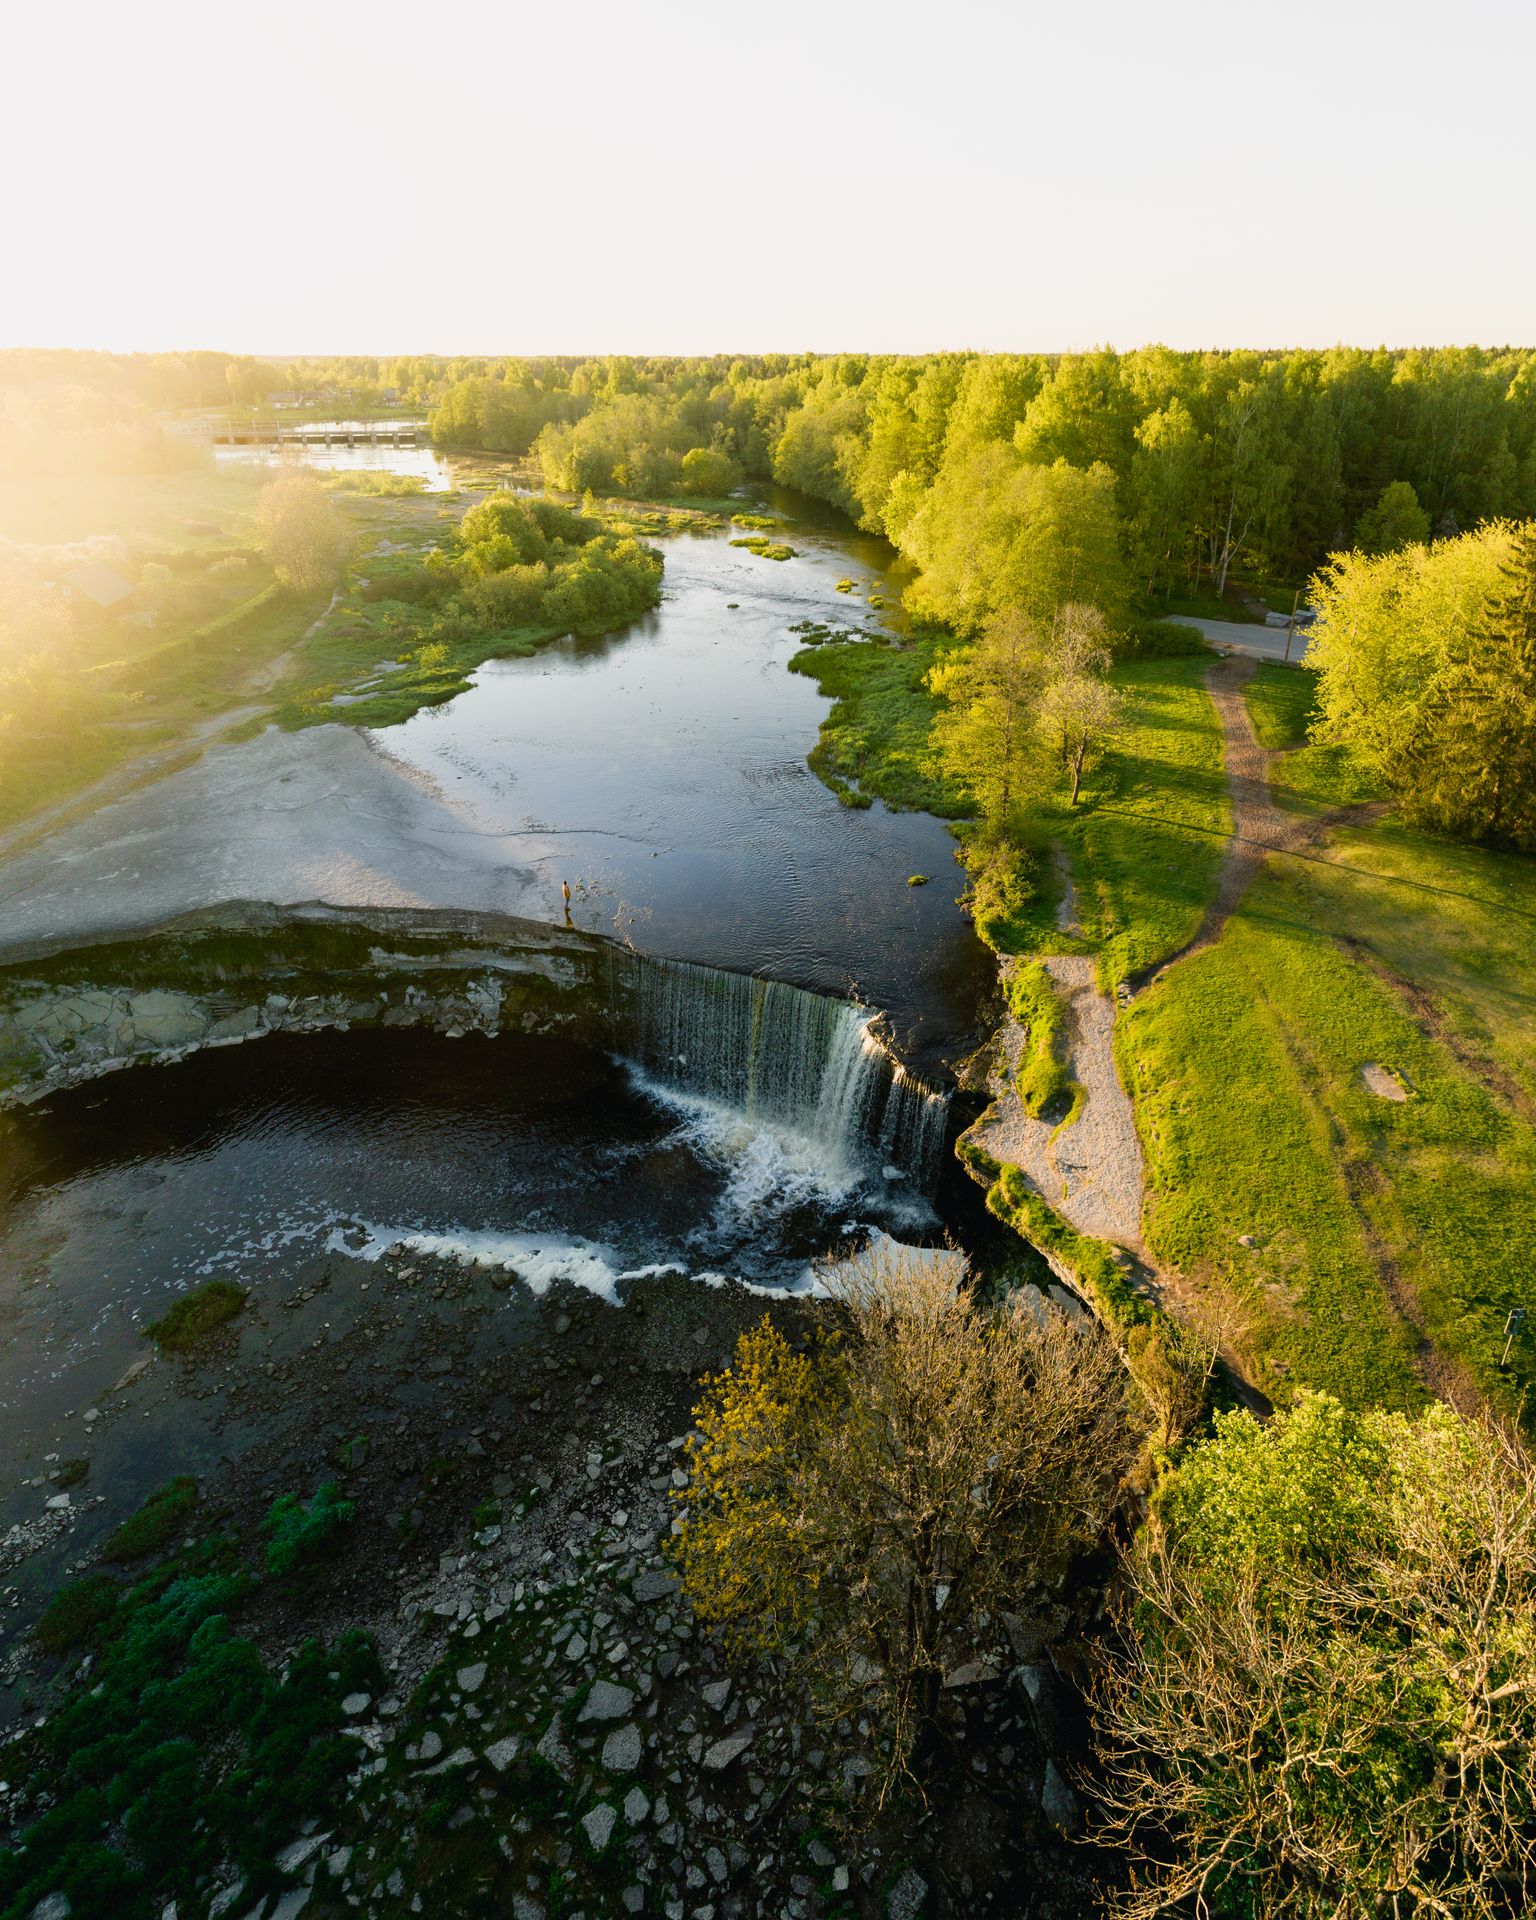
(783, 1056)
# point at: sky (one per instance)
(346, 177)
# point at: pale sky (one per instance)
(693, 176)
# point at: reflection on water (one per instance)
(661, 773)
(365, 457)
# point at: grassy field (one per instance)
(1308, 779)
(874, 742)
(1376, 1223)
(1144, 849)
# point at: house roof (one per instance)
(99, 583)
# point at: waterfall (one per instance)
(782, 1056)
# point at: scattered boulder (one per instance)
(718, 1757)
(622, 1750)
(599, 1824)
(607, 1701)
(906, 1897)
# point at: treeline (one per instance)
(1265, 463)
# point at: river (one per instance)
(661, 773)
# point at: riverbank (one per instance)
(1322, 1026)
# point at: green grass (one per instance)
(76, 1611)
(1144, 847)
(877, 732)
(195, 1315)
(1245, 1063)
(1458, 922)
(1043, 1077)
(162, 1517)
(766, 549)
(1282, 705)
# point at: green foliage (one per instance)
(710, 473)
(76, 1611)
(300, 1533)
(877, 731)
(1356, 1595)
(163, 1516)
(187, 1751)
(195, 1314)
(300, 532)
(519, 572)
(1427, 672)
(1000, 534)
(766, 549)
(1310, 1485)
(1159, 640)
(1044, 1080)
(1397, 520)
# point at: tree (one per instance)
(996, 532)
(1397, 520)
(300, 532)
(868, 1508)
(1324, 1700)
(1079, 708)
(986, 737)
(710, 472)
(1426, 665)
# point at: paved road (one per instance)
(1262, 643)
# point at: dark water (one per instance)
(662, 772)
(550, 1158)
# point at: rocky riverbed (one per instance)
(552, 1732)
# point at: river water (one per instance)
(660, 773)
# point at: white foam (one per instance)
(538, 1260)
(769, 1167)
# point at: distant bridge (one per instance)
(324, 433)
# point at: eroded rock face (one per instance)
(55, 1035)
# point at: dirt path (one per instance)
(1090, 1172)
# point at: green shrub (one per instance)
(196, 1314)
(1043, 1077)
(75, 1612)
(1160, 640)
(157, 1523)
(300, 1533)
(185, 1753)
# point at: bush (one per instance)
(869, 1507)
(157, 1523)
(196, 1314)
(1324, 1703)
(1159, 640)
(76, 1611)
(300, 1533)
